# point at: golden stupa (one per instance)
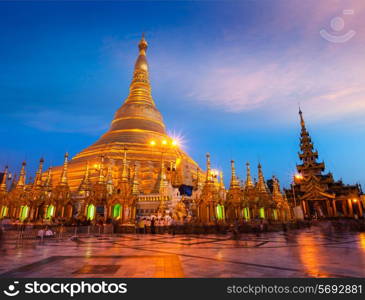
(137, 130)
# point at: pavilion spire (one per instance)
(3, 186)
(64, 179)
(234, 181)
(302, 122)
(308, 155)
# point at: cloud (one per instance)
(65, 122)
(295, 65)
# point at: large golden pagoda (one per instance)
(139, 130)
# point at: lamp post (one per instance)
(296, 178)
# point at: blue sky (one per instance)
(226, 75)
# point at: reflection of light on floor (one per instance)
(362, 241)
(219, 255)
(309, 255)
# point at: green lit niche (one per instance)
(24, 211)
(116, 211)
(90, 212)
(4, 211)
(220, 209)
(262, 213)
(246, 213)
(50, 211)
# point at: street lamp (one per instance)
(296, 178)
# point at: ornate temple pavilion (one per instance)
(319, 194)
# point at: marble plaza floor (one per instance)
(299, 253)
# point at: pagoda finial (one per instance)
(234, 181)
(261, 186)
(63, 179)
(143, 45)
(21, 181)
(3, 186)
(38, 177)
(208, 177)
(248, 182)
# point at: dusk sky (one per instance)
(227, 76)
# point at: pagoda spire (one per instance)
(208, 177)
(48, 181)
(38, 177)
(135, 184)
(101, 179)
(109, 180)
(21, 181)
(125, 167)
(63, 179)
(163, 181)
(85, 183)
(261, 186)
(234, 181)
(221, 181)
(248, 182)
(275, 186)
(3, 186)
(140, 88)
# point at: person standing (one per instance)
(153, 227)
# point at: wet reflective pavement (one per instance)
(299, 253)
